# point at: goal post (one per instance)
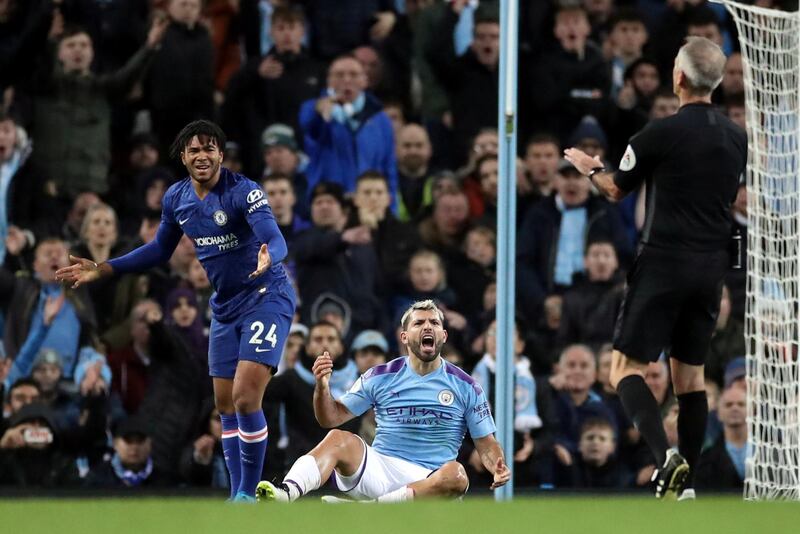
(770, 46)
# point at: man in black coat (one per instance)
(180, 84)
(589, 309)
(271, 89)
(554, 235)
(471, 79)
(344, 263)
(722, 466)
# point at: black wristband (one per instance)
(595, 170)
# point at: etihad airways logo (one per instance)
(223, 242)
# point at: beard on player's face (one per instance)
(424, 348)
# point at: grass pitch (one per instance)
(545, 515)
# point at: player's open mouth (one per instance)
(428, 341)
(202, 167)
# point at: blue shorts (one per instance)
(258, 335)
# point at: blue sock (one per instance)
(230, 448)
(253, 447)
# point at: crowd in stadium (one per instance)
(371, 125)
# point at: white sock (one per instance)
(304, 476)
(399, 495)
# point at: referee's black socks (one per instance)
(692, 419)
(643, 411)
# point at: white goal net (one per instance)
(770, 43)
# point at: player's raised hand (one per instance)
(264, 262)
(323, 368)
(82, 271)
(501, 474)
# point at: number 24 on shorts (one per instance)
(258, 327)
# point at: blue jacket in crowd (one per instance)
(338, 153)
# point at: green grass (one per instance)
(541, 515)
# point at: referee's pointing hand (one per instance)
(582, 161)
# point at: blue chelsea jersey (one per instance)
(220, 227)
(421, 419)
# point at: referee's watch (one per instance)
(594, 171)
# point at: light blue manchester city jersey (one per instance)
(421, 419)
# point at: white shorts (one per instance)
(379, 474)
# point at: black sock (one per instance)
(643, 411)
(692, 419)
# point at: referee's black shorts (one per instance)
(671, 304)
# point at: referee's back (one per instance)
(691, 163)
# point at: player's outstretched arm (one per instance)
(492, 458)
(329, 412)
(82, 271)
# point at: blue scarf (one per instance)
(526, 413)
(571, 237)
(128, 477)
(7, 172)
(341, 380)
(346, 113)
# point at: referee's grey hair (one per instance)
(425, 305)
(703, 63)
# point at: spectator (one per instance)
(534, 421)
(596, 465)
(576, 402)
(221, 16)
(180, 84)
(202, 461)
(428, 280)
(22, 392)
(70, 232)
(627, 37)
(733, 80)
(736, 280)
(486, 170)
(112, 297)
(415, 182)
(722, 467)
(346, 130)
(665, 104)
(469, 80)
(159, 381)
(25, 207)
(369, 348)
(130, 365)
(470, 275)
(339, 27)
(659, 381)
(541, 165)
(590, 306)
(281, 156)
(132, 464)
(727, 341)
(198, 280)
(184, 319)
(295, 389)
(23, 35)
(72, 332)
(295, 344)
(553, 237)
(394, 241)
(338, 262)
(74, 148)
(271, 88)
(445, 229)
(572, 79)
(30, 452)
(282, 199)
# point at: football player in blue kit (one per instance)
(423, 406)
(237, 240)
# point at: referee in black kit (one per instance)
(691, 163)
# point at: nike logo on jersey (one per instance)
(181, 222)
(259, 349)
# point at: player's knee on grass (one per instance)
(451, 480)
